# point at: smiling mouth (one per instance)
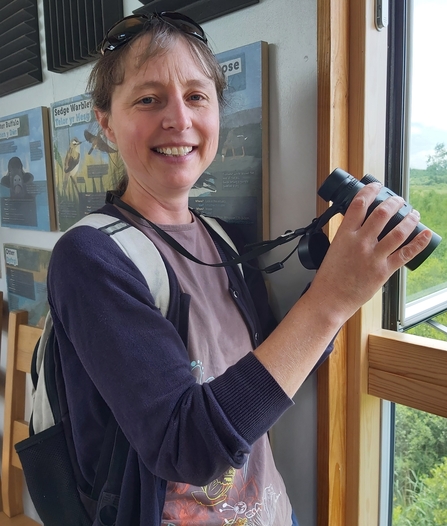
(177, 151)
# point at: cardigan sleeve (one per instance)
(119, 352)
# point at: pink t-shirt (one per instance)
(218, 337)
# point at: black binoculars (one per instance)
(340, 188)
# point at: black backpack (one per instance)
(59, 493)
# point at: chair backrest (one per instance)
(22, 339)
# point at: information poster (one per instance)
(235, 186)
(26, 185)
(85, 164)
(26, 280)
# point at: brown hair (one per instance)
(108, 71)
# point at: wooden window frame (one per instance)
(368, 364)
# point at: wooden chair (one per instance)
(22, 339)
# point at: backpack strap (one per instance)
(140, 249)
(110, 473)
(147, 258)
(218, 229)
(45, 399)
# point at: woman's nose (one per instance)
(177, 115)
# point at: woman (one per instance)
(194, 404)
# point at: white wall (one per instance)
(289, 27)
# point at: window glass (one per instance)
(435, 327)
(420, 455)
(419, 482)
(425, 289)
(420, 469)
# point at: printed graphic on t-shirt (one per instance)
(218, 503)
(198, 372)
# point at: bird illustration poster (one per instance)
(26, 184)
(26, 280)
(235, 186)
(85, 165)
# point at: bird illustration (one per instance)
(204, 185)
(205, 182)
(97, 142)
(71, 163)
(16, 178)
(234, 142)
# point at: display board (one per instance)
(85, 165)
(26, 280)
(26, 185)
(235, 186)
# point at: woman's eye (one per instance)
(147, 100)
(196, 97)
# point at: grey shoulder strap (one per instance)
(42, 413)
(145, 256)
(140, 250)
(214, 224)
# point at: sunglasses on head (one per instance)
(130, 26)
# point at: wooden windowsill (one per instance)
(408, 369)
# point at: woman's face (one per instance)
(164, 119)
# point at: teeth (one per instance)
(180, 150)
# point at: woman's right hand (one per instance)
(357, 264)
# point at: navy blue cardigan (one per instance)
(119, 354)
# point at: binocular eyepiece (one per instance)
(341, 187)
